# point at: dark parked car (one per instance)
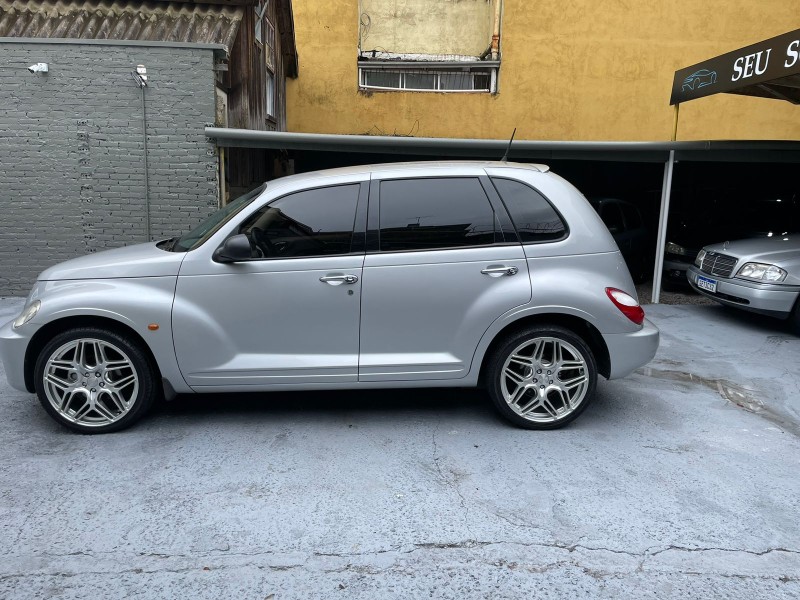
(624, 221)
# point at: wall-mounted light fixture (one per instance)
(39, 68)
(140, 76)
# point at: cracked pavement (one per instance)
(680, 481)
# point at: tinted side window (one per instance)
(310, 223)
(633, 220)
(418, 214)
(535, 219)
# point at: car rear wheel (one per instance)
(94, 380)
(542, 377)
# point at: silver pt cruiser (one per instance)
(401, 275)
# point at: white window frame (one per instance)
(260, 10)
(269, 92)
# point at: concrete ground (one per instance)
(680, 481)
(672, 294)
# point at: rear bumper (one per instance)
(756, 297)
(12, 355)
(629, 351)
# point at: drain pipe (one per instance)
(140, 77)
(496, 31)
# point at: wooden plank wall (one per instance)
(246, 86)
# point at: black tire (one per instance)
(147, 387)
(794, 319)
(495, 366)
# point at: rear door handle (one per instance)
(339, 279)
(500, 271)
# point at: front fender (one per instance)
(134, 302)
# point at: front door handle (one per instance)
(496, 271)
(339, 279)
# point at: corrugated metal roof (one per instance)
(121, 20)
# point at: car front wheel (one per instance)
(542, 377)
(794, 318)
(94, 380)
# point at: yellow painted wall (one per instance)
(578, 70)
(427, 26)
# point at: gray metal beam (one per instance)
(725, 151)
(98, 42)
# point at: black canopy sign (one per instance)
(775, 59)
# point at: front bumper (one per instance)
(765, 298)
(629, 351)
(12, 355)
(675, 270)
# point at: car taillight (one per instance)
(627, 304)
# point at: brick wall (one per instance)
(71, 151)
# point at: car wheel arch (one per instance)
(57, 326)
(580, 327)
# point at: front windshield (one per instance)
(773, 216)
(213, 222)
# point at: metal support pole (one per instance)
(223, 192)
(666, 191)
(675, 122)
(146, 171)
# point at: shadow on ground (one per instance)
(329, 402)
(363, 406)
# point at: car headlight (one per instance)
(27, 314)
(673, 248)
(700, 256)
(762, 272)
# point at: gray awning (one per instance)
(121, 20)
(724, 151)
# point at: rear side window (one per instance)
(424, 214)
(534, 217)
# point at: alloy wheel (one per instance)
(90, 382)
(544, 379)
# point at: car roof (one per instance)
(466, 167)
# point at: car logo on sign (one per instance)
(699, 79)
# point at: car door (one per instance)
(440, 268)
(290, 314)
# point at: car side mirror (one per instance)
(236, 248)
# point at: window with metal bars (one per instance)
(428, 79)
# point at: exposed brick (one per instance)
(71, 150)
